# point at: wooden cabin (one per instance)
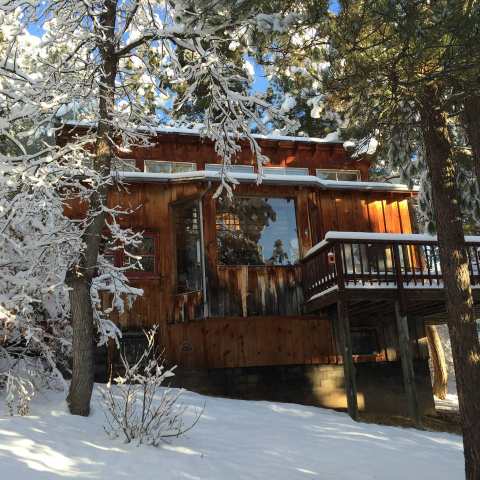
(307, 288)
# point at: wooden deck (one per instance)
(372, 271)
(355, 274)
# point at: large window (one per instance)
(256, 231)
(188, 246)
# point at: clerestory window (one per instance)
(339, 175)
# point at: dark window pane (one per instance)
(348, 176)
(188, 248)
(339, 175)
(256, 231)
(148, 264)
(364, 342)
(327, 174)
(145, 247)
(145, 250)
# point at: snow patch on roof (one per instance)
(307, 180)
(165, 129)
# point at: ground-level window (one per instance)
(364, 341)
(256, 231)
(188, 246)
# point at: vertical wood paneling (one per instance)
(251, 341)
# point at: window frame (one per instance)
(119, 259)
(167, 162)
(371, 330)
(297, 230)
(196, 199)
(217, 167)
(279, 170)
(127, 161)
(337, 171)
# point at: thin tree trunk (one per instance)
(439, 364)
(80, 277)
(453, 259)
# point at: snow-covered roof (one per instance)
(330, 138)
(389, 237)
(268, 179)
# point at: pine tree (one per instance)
(392, 70)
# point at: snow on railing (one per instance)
(379, 260)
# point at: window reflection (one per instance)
(188, 247)
(256, 231)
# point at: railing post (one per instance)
(339, 265)
(397, 265)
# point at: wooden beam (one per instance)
(343, 323)
(407, 363)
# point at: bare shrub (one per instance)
(138, 408)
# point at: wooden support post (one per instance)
(343, 323)
(407, 363)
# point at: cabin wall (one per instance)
(311, 155)
(358, 211)
(247, 305)
(192, 148)
(255, 341)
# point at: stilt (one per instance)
(343, 323)
(407, 364)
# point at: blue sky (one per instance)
(260, 82)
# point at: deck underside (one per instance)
(428, 303)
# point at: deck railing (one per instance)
(370, 260)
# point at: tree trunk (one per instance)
(439, 364)
(454, 263)
(82, 346)
(79, 278)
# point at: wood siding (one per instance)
(255, 313)
(251, 341)
(191, 148)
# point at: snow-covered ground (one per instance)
(234, 440)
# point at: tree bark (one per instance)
(439, 364)
(79, 278)
(454, 263)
